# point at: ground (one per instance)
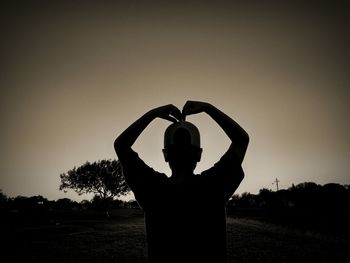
(121, 239)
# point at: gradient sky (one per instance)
(75, 75)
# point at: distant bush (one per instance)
(309, 205)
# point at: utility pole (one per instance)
(276, 182)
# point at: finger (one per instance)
(187, 109)
(175, 112)
(184, 108)
(183, 117)
(169, 118)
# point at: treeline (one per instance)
(39, 203)
(308, 205)
(323, 208)
(306, 194)
(39, 210)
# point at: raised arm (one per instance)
(238, 136)
(129, 136)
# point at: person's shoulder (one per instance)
(161, 176)
(228, 164)
(158, 178)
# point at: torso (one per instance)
(184, 222)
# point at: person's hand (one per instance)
(168, 112)
(194, 107)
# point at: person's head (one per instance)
(182, 146)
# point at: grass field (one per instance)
(121, 239)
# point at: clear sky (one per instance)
(75, 75)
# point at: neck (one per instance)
(181, 176)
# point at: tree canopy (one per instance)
(103, 178)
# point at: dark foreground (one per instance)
(121, 239)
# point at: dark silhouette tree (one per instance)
(65, 204)
(3, 197)
(103, 178)
(3, 200)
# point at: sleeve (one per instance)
(225, 176)
(138, 175)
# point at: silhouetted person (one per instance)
(185, 213)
